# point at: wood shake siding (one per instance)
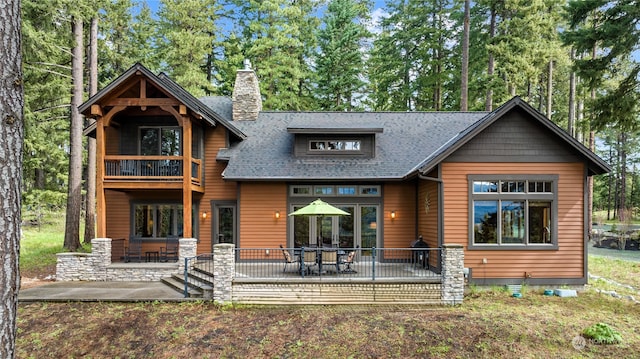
(565, 262)
(399, 197)
(257, 205)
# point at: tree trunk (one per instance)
(488, 106)
(622, 204)
(592, 147)
(464, 80)
(11, 140)
(550, 89)
(74, 197)
(572, 98)
(90, 205)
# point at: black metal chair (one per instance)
(133, 251)
(170, 250)
(288, 259)
(307, 261)
(349, 261)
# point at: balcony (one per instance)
(165, 169)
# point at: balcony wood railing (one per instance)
(150, 168)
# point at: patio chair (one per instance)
(170, 250)
(330, 258)
(288, 259)
(347, 262)
(133, 251)
(308, 260)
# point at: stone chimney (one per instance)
(247, 102)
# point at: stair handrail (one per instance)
(189, 263)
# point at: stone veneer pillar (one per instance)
(187, 248)
(452, 274)
(223, 270)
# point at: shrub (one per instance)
(602, 333)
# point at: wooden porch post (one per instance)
(187, 200)
(101, 206)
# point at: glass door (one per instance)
(224, 223)
(368, 228)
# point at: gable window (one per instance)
(334, 145)
(160, 141)
(339, 190)
(513, 211)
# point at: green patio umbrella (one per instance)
(319, 208)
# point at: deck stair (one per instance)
(200, 283)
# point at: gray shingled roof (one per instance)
(408, 138)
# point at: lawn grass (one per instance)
(626, 273)
(489, 324)
(40, 243)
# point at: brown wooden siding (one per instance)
(399, 197)
(428, 221)
(216, 188)
(257, 205)
(566, 262)
(112, 146)
(118, 213)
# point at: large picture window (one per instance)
(513, 211)
(160, 220)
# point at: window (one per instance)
(334, 145)
(157, 220)
(513, 212)
(339, 190)
(160, 141)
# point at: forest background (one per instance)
(575, 61)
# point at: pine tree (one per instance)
(611, 26)
(410, 66)
(278, 38)
(340, 60)
(187, 29)
(125, 39)
(47, 81)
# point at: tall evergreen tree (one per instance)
(74, 190)
(614, 31)
(126, 39)
(278, 38)
(11, 138)
(340, 60)
(186, 42)
(410, 66)
(47, 79)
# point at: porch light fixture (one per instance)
(277, 214)
(204, 215)
(393, 214)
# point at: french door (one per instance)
(360, 228)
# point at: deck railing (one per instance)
(150, 168)
(335, 263)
